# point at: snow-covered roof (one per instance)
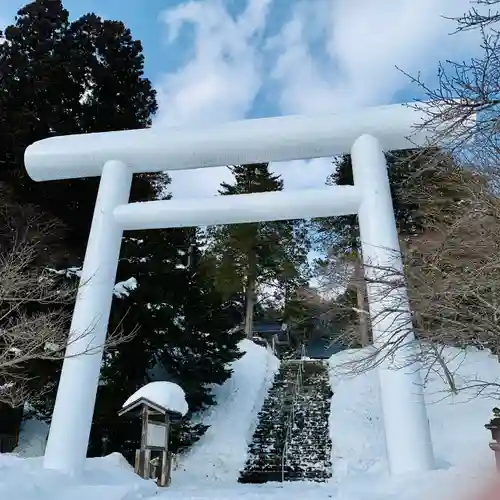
(166, 395)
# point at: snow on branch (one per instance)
(123, 288)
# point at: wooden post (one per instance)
(166, 468)
(137, 468)
(165, 476)
(144, 430)
(143, 457)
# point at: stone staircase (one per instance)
(291, 441)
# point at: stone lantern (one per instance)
(494, 427)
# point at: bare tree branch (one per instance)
(35, 303)
(477, 17)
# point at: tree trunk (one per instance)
(447, 373)
(361, 303)
(249, 305)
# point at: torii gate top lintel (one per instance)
(241, 142)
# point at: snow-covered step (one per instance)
(291, 441)
(308, 448)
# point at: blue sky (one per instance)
(219, 60)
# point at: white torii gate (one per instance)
(116, 156)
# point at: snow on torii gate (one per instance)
(116, 156)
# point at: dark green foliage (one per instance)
(304, 313)
(267, 251)
(183, 337)
(59, 77)
(48, 65)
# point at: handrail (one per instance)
(291, 418)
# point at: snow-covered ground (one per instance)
(110, 478)
(460, 440)
(210, 470)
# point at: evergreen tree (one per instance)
(415, 177)
(60, 77)
(412, 175)
(249, 256)
(183, 337)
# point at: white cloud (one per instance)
(361, 43)
(198, 183)
(222, 79)
(219, 83)
(303, 174)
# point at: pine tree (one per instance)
(249, 256)
(183, 337)
(61, 77)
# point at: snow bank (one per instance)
(457, 422)
(109, 478)
(222, 451)
(460, 440)
(356, 426)
(165, 394)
